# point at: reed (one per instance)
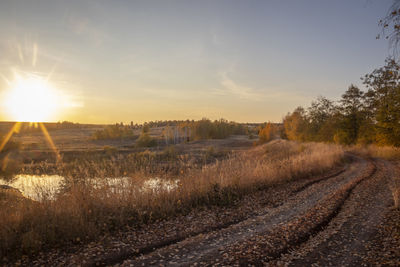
(84, 211)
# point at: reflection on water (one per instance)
(39, 187)
(36, 187)
(157, 184)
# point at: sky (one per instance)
(246, 61)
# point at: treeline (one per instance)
(165, 123)
(218, 129)
(359, 117)
(177, 132)
(181, 123)
(201, 130)
(33, 127)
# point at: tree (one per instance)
(266, 133)
(296, 125)
(319, 114)
(351, 110)
(391, 26)
(384, 101)
(359, 117)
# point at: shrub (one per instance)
(170, 152)
(110, 150)
(145, 140)
(268, 132)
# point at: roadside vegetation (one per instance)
(374, 151)
(84, 212)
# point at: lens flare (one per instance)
(31, 99)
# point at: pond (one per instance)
(39, 187)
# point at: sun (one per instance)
(31, 98)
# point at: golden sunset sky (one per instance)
(122, 61)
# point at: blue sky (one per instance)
(248, 61)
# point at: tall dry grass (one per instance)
(114, 164)
(85, 211)
(396, 196)
(385, 152)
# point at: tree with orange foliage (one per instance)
(266, 133)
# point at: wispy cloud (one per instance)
(230, 87)
(272, 95)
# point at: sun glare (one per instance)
(31, 99)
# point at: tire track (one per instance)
(318, 180)
(293, 198)
(346, 242)
(269, 234)
(121, 256)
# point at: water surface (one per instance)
(40, 187)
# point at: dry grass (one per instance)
(114, 164)
(396, 196)
(385, 152)
(84, 211)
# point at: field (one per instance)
(215, 201)
(177, 133)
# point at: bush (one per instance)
(110, 150)
(170, 152)
(268, 132)
(145, 140)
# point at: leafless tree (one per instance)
(391, 27)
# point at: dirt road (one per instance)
(334, 219)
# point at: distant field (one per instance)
(80, 139)
(35, 155)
